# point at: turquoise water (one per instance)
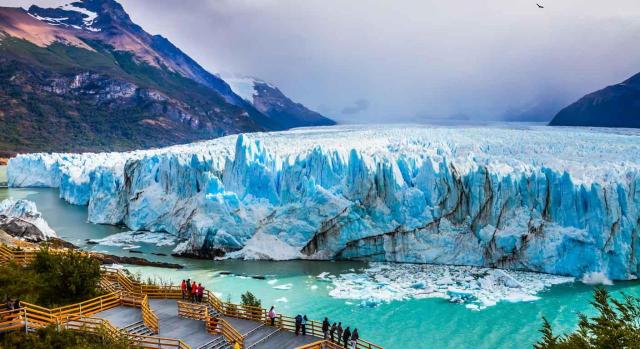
(426, 323)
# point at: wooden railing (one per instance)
(149, 317)
(103, 327)
(230, 333)
(11, 320)
(196, 311)
(322, 344)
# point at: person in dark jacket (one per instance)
(346, 336)
(298, 323)
(332, 331)
(304, 325)
(325, 328)
(339, 332)
(354, 338)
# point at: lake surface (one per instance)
(294, 288)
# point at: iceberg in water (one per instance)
(554, 200)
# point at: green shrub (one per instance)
(616, 326)
(52, 279)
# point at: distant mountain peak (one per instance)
(83, 76)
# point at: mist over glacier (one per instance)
(561, 201)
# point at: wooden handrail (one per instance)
(321, 344)
(230, 333)
(149, 317)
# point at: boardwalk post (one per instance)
(26, 321)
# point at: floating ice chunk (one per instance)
(282, 300)
(323, 276)
(264, 246)
(596, 278)
(475, 287)
(283, 287)
(272, 281)
(129, 238)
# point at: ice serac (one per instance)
(559, 201)
(21, 219)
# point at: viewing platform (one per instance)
(150, 316)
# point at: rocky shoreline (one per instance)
(104, 258)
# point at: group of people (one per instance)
(339, 335)
(192, 291)
(334, 332)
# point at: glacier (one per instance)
(562, 201)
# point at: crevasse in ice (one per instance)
(555, 200)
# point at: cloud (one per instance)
(357, 106)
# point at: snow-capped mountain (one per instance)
(555, 200)
(268, 99)
(86, 64)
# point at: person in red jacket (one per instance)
(194, 291)
(200, 292)
(183, 288)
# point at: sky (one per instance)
(361, 61)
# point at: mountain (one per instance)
(269, 100)
(613, 106)
(84, 77)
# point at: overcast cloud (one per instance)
(374, 60)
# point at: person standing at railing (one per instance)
(194, 291)
(200, 292)
(332, 331)
(346, 336)
(304, 325)
(354, 338)
(325, 328)
(188, 289)
(339, 332)
(298, 323)
(272, 316)
(183, 288)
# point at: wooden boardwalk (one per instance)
(194, 333)
(152, 317)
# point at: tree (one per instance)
(52, 279)
(249, 300)
(616, 325)
(252, 305)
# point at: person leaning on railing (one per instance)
(272, 316)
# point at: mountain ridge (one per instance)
(613, 106)
(84, 77)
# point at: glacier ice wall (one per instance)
(562, 201)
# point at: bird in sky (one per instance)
(540, 6)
